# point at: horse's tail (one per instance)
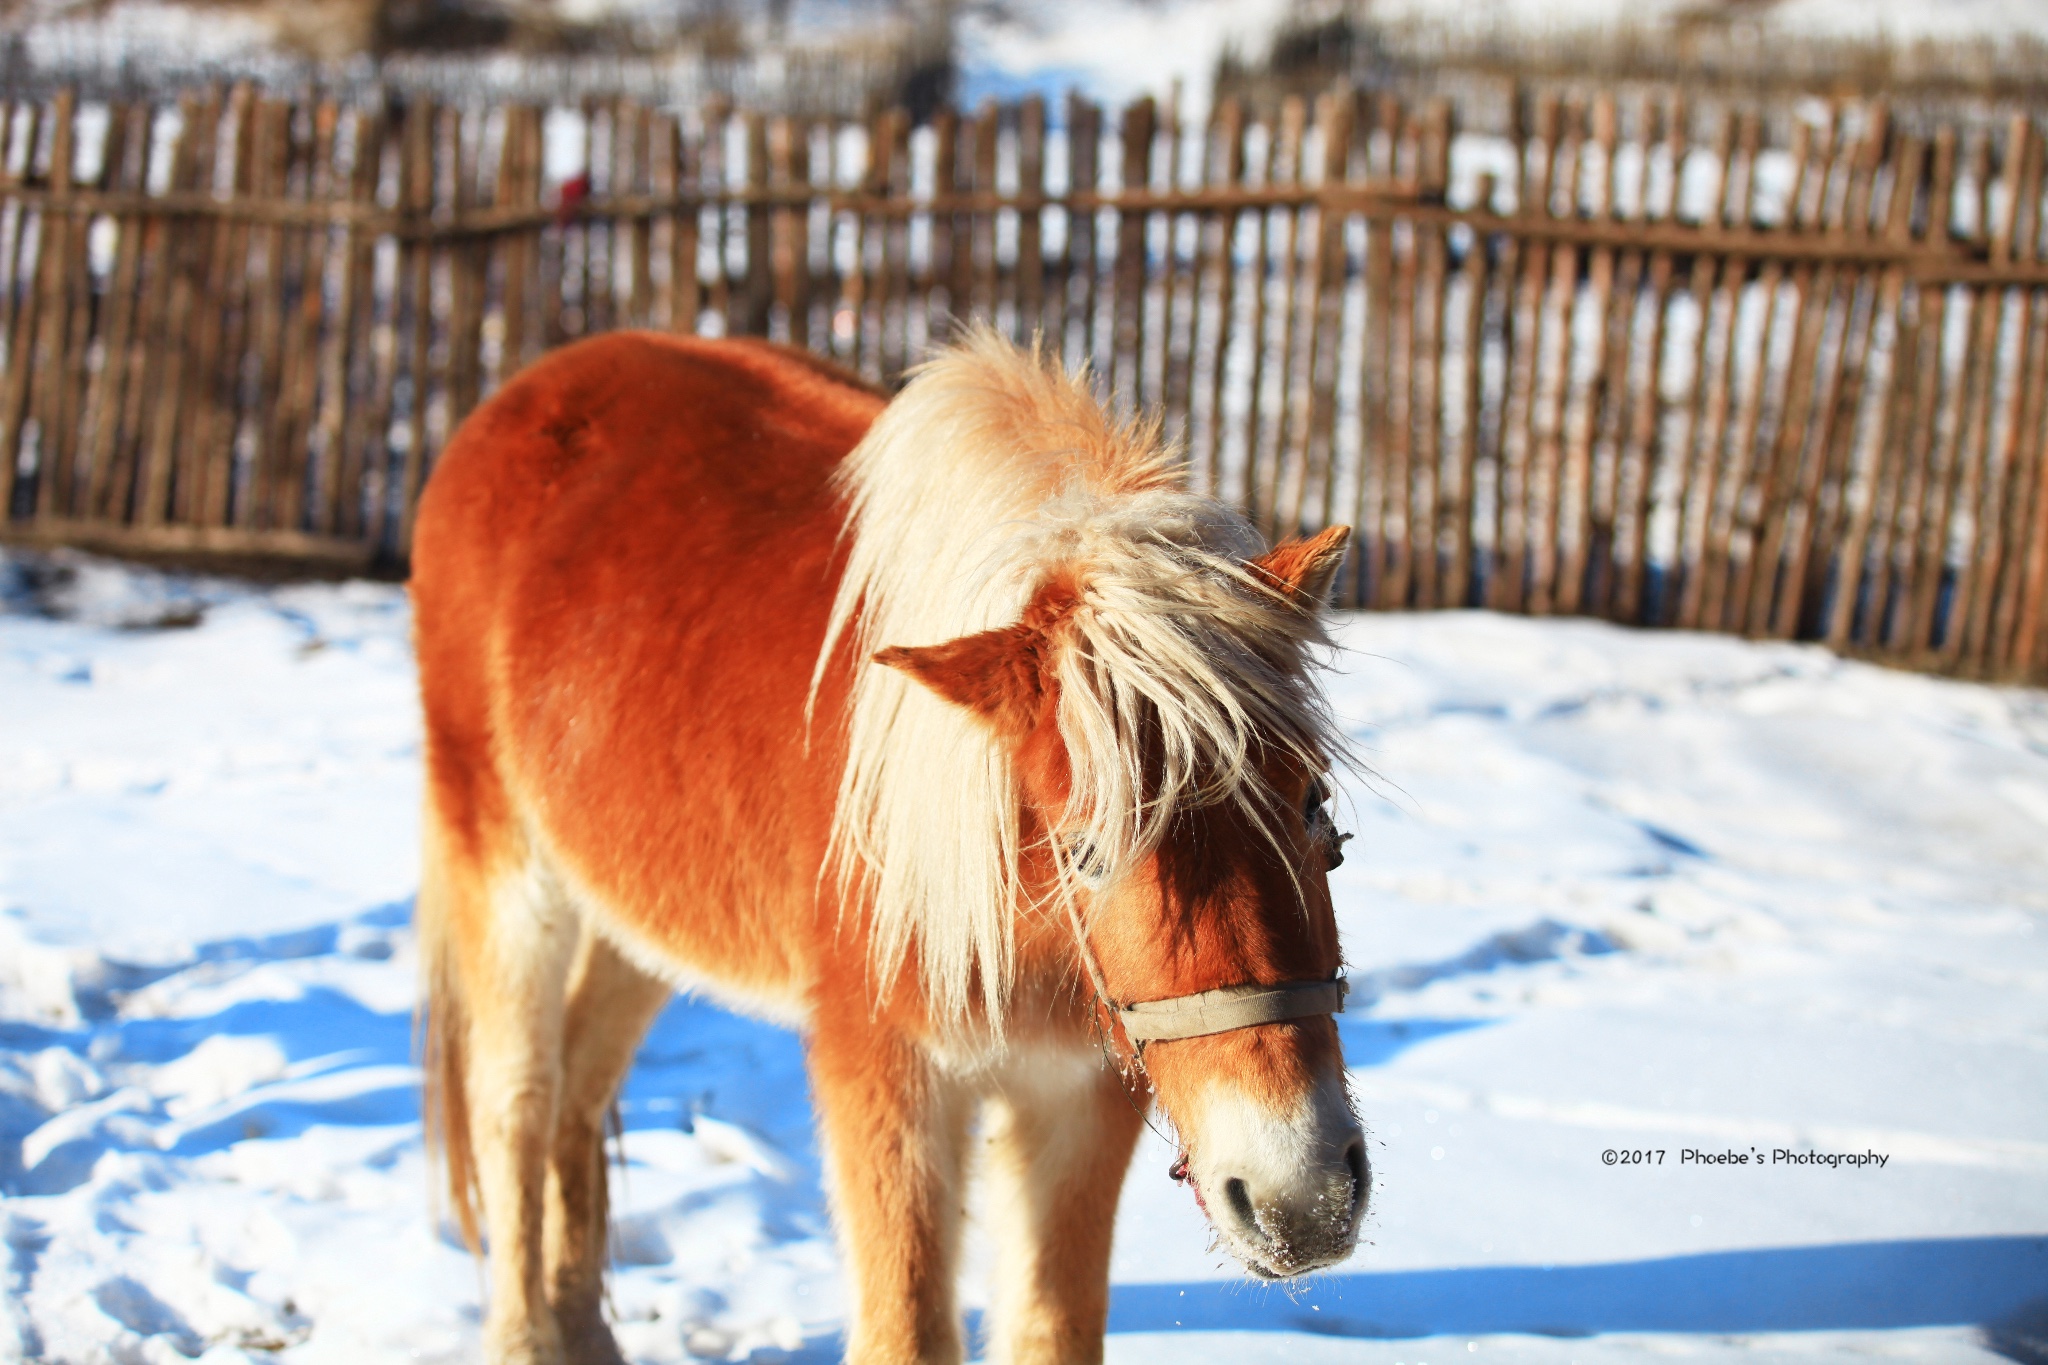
(442, 1028)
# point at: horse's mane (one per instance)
(991, 473)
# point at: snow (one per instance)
(1611, 890)
(1893, 21)
(1114, 50)
(1117, 50)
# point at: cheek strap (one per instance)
(1231, 1007)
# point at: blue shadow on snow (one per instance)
(1375, 1042)
(1866, 1286)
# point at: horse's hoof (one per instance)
(592, 1345)
(526, 1345)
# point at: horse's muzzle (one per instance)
(1285, 1193)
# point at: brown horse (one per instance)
(946, 730)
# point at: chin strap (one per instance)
(1207, 1012)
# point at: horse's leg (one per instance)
(611, 1003)
(895, 1131)
(513, 989)
(1062, 1129)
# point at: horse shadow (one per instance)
(346, 1065)
(343, 1062)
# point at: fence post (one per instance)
(1030, 218)
(1712, 366)
(74, 376)
(108, 458)
(1979, 573)
(223, 329)
(1226, 156)
(1084, 155)
(789, 164)
(1639, 455)
(270, 333)
(1283, 157)
(55, 267)
(1920, 534)
(1375, 482)
(1592, 523)
(1326, 322)
(469, 263)
(893, 175)
(15, 300)
(23, 346)
(2027, 510)
(1873, 448)
(682, 168)
(1127, 349)
(1550, 374)
(1971, 428)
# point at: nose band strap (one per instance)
(1232, 1007)
(1217, 1011)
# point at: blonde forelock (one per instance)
(1181, 672)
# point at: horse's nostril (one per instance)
(1240, 1200)
(1354, 1157)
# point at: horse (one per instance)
(946, 729)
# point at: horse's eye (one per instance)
(1085, 861)
(1318, 797)
(1316, 814)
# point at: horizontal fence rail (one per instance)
(1709, 367)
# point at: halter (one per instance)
(1219, 1011)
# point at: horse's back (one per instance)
(622, 572)
(743, 431)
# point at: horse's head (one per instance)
(1168, 748)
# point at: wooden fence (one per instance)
(1762, 371)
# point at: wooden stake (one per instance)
(1879, 477)
(1127, 348)
(1507, 590)
(2030, 498)
(1553, 338)
(683, 168)
(1813, 291)
(39, 375)
(1977, 582)
(1266, 510)
(1227, 156)
(1031, 319)
(1326, 312)
(1376, 486)
(105, 495)
(1970, 435)
(1404, 510)
(1711, 371)
(353, 367)
(418, 189)
(1922, 533)
(1580, 496)
(1461, 506)
(1725, 570)
(187, 247)
(295, 425)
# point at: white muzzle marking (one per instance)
(1286, 1192)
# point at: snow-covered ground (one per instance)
(1117, 50)
(1612, 892)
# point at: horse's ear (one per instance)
(993, 674)
(1305, 569)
